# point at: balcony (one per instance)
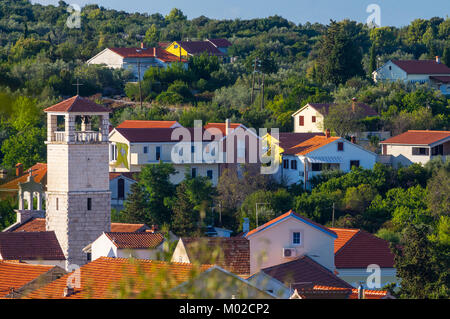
(84, 137)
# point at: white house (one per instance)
(433, 72)
(143, 245)
(415, 146)
(287, 237)
(305, 155)
(309, 118)
(137, 60)
(197, 151)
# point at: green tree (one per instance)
(342, 120)
(155, 180)
(340, 54)
(175, 15)
(152, 36)
(136, 206)
(26, 147)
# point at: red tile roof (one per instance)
(325, 107)
(304, 271)
(422, 66)
(416, 137)
(220, 43)
(358, 249)
(221, 126)
(39, 172)
(38, 225)
(235, 252)
(291, 213)
(161, 54)
(198, 47)
(14, 275)
(442, 79)
(370, 294)
(30, 246)
(310, 145)
(146, 124)
(101, 279)
(133, 240)
(77, 104)
(288, 139)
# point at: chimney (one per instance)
(154, 228)
(354, 104)
(328, 133)
(246, 225)
(154, 52)
(353, 139)
(142, 45)
(438, 59)
(227, 126)
(360, 291)
(68, 291)
(19, 169)
(3, 173)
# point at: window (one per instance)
(354, 163)
(301, 120)
(113, 154)
(384, 149)
(390, 68)
(89, 204)
(313, 119)
(145, 149)
(420, 151)
(192, 149)
(340, 146)
(120, 188)
(194, 172)
(158, 153)
(296, 238)
(294, 164)
(286, 164)
(209, 173)
(316, 167)
(88, 256)
(437, 150)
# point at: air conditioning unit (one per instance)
(289, 252)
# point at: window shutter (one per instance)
(301, 120)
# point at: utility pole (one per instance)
(332, 218)
(262, 93)
(253, 81)
(139, 79)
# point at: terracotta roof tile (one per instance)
(325, 107)
(30, 246)
(369, 294)
(442, 79)
(130, 175)
(146, 124)
(221, 126)
(134, 240)
(198, 47)
(39, 172)
(302, 272)
(38, 225)
(310, 145)
(14, 275)
(418, 137)
(236, 252)
(285, 215)
(422, 66)
(77, 104)
(288, 140)
(361, 249)
(101, 278)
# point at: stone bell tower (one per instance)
(78, 196)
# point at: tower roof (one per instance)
(77, 104)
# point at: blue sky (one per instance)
(393, 12)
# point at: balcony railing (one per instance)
(79, 136)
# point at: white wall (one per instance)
(103, 247)
(266, 246)
(180, 254)
(383, 73)
(108, 57)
